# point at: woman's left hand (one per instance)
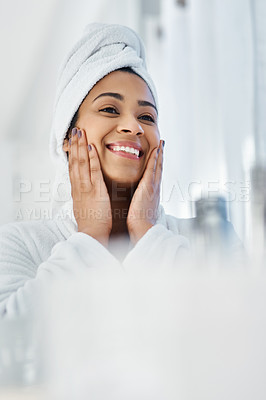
(143, 210)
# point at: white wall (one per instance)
(35, 38)
(208, 110)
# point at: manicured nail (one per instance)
(69, 142)
(163, 143)
(158, 150)
(74, 131)
(79, 133)
(89, 147)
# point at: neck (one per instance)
(120, 198)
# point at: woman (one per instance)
(118, 118)
(106, 143)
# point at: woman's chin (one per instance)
(123, 180)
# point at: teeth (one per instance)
(126, 149)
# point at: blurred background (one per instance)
(207, 58)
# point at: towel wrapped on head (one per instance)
(102, 49)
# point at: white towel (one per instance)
(102, 49)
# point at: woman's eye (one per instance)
(109, 110)
(147, 117)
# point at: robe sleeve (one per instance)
(21, 280)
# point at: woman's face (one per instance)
(120, 119)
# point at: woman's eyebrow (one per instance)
(110, 94)
(118, 96)
(147, 103)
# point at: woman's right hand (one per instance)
(91, 202)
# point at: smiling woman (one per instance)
(118, 121)
(109, 156)
(120, 111)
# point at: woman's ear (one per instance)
(66, 146)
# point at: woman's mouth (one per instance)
(126, 150)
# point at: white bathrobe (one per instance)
(34, 255)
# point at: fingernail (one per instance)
(163, 143)
(79, 133)
(69, 142)
(89, 147)
(158, 150)
(74, 131)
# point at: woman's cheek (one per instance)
(158, 136)
(92, 134)
(155, 139)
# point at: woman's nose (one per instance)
(130, 125)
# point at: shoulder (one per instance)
(186, 227)
(29, 240)
(181, 226)
(34, 229)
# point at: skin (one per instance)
(112, 195)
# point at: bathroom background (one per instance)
(207, 58)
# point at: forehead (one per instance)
(125, 83)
